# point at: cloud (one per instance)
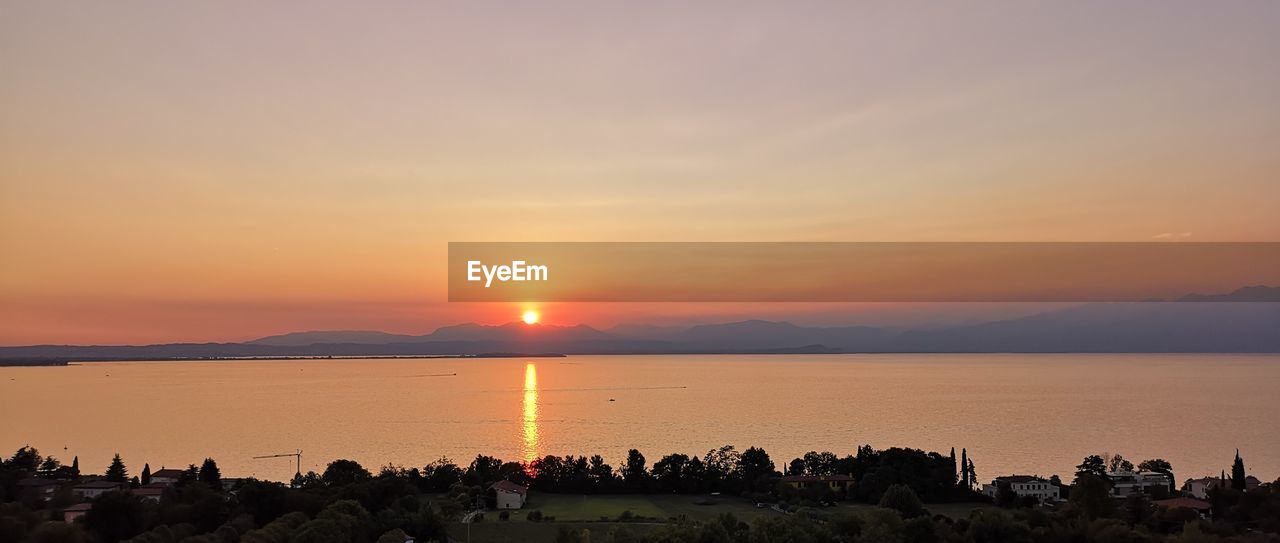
(1172, 235)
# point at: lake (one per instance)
(1026, 414)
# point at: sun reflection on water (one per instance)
(529, 413)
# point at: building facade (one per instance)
(1024, 486)
(508, 495)
(1131, 483)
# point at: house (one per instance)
(89, 490)
(166, 476)
(37, 488)
(830, 482)
(151, 492)
(508, 495)
(1131, 483)
(1199, 488)
(75, 511)
(1199, 506)
(1024, 486)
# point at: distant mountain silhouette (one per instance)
(1258, 293)
(1099, 327)
(335, 336)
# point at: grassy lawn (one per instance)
(572, 507)
(532, 532)
(954, 510)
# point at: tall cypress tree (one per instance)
(146, 474)
(1237, 473)
(75, 466)
(954, 474)
(964, 469)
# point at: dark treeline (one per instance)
(348, 503)
(750, 473)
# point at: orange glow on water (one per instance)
(529, 414)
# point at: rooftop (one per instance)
(508, 486)
(100, 483)
(1189, 503)
(816, 478)
(1021, 479)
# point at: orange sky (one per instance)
(178, 171)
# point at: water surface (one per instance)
(1036, 414)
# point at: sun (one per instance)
(530, 317)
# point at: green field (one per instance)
(578, 512)
(571, 507)
(953, 510)
(533, 532)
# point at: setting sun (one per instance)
(530, 317)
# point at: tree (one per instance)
(146, 474)
(439, 475)
(344, 472)
(902, 499)
(1160, 465)
(1092, 496)
(720, 465)
(1238, 477)
(820, 463)
(1092, 465)
(1117, 462)
(75, 466)
(116, 472)
(601, 474)
(189, 475)
(483, 470)
(973, 475)
(116, 516)
(669, 472)
(634, 475)
(954, 475)
(755, 466)
(49, 467)
(210, 475)
(965, 483)
(27, 458)
(58, 532)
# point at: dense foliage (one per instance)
(347, 503)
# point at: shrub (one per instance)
(902, 499)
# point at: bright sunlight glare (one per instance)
(530, 317)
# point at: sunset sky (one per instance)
(179, 171)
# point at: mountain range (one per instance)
(1097, 327)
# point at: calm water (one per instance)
(1014, 413)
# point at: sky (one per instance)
(180, 171)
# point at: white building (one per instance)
(508, 495)
(1199, 488)
(166, 476)
(1129, 483)
(89, 490)
(1024, 486)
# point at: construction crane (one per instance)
(297, 455)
